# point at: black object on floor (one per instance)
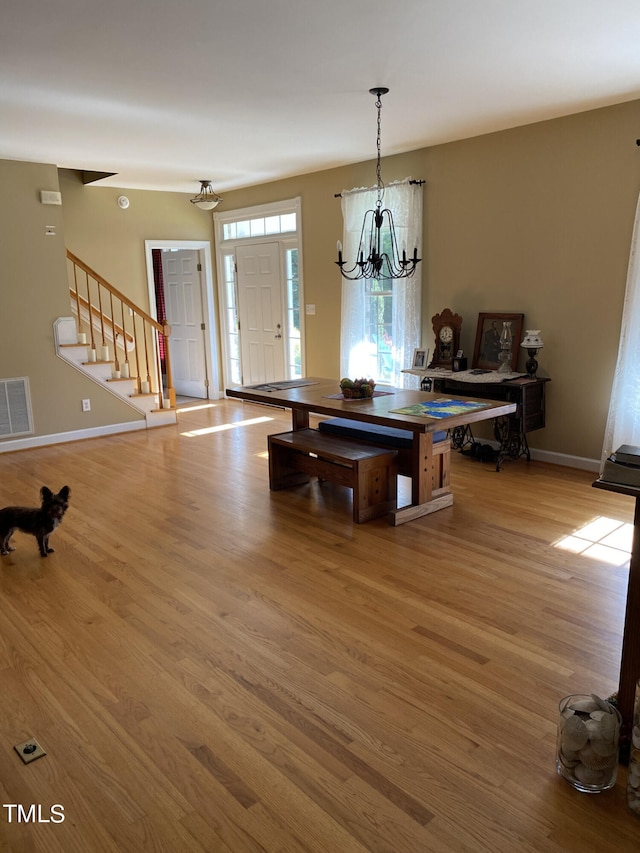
(481, 452)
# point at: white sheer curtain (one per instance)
(623, 422)
(405, 202)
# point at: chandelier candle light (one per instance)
(377, 255)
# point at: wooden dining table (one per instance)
(319, 396)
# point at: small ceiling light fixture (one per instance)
(377, 255)
(206, 198)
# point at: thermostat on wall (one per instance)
(50, 197)
(123, 202)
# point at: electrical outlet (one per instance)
(29, 750)
(86, 405)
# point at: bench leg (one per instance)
(375, 488)
(282, 470)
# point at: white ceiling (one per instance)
(166, 92)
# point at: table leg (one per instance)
(422, 480)
(630, 662)
(512, 443)
(422, 468)
(299, 419)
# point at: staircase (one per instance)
(116, 344)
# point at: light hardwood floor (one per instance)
(212, 667)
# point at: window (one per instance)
(294, 344)
(381, 317)
(623, 421)
(232, 322)
(259, 226)
(379, 328)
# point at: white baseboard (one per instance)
(74, 435)
(566, 459)
(112, 429)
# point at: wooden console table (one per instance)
(510, 431)
(630, 659)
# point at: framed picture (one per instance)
(420, 359)
(487, 347)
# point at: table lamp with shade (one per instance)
(533, 343)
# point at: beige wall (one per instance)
(535, 220)
(111, 240)
(34, 293)
(34, 287)
(538, 220)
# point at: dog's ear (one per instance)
(46, 493)
(64, 493)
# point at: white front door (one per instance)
(260, 312)
(183, 303)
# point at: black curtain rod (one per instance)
(418, 183)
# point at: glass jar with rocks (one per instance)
(587, 743)
(633, 773)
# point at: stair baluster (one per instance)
(137, 332)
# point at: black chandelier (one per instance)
(378, 255)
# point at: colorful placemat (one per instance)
(281, 386)
(441, 408)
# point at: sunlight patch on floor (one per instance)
(194, 433)
(604, 539)
(197, 407)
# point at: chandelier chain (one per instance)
(378, 255)
(378, 146)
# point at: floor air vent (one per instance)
(15, 407)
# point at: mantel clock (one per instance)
(446, 327)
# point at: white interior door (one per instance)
(183, 303)
(260, 311)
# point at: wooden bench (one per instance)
(400, 440)
(370, 471)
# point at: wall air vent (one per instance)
(15, 407)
